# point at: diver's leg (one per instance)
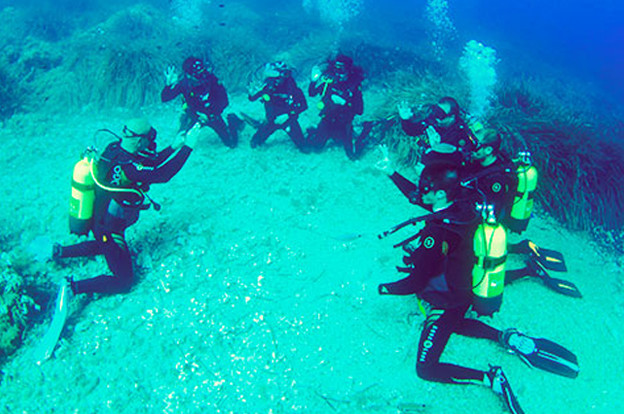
(85, 249)
(119, 262)
(477, 329)
(235, 125)
(344, 135)
(187, 120)
(293, 129)
(438, 328)
(263, 133)
(318, 137)
(219, 126)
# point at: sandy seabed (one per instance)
(257, 292)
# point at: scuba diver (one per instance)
(108, 193)
(205, 99)
(339, 85)
(491, 173)
(439, 269)
(445, 135)
(122, 175)
(498, 182)
(283, 102)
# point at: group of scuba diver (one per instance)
(337, 82)
(476, 196)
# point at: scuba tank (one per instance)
(82, 195)
(523, 201)
(488, 272)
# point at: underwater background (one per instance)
(256, 285)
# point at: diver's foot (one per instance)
(57, 252)
(500, 385)
(541, 353)
(517, 342)
(69, 284)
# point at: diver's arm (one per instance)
(299, 101)
(315, 88)
(160, 157)
(357, 102)
(413, 128)
(169, 92)
(406, 187)
(257, 95)
(137, 172)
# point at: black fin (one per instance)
(251, 121)
(542, 353)
(550, 259)
(558, 285)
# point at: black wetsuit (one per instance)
(407, 187)
(206, 96)
(457, 134)
(114, 212)
(337, 118)
(439, 272)
(495, 184)
(280, 96)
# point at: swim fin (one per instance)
(550, 259)
(250, 120)
(558, 285)
(500, 385)
(48, 343)
(541, 353)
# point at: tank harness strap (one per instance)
(490, 263)
(81, 186)
(529, 194)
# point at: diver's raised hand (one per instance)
(338, 100)
(385, 163)
(171, 76)
(178, 141)
(405, 110)
(194, 134)
(316, 73)
(432, 136)
(253, 88)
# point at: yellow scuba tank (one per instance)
(488, 272)
(523, 201)
(82, 197)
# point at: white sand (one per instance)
(248, 301)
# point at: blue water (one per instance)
(585, 38)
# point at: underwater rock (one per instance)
(15, 307)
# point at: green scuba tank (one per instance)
(488, 272)
(523, 201)
(82, 197)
